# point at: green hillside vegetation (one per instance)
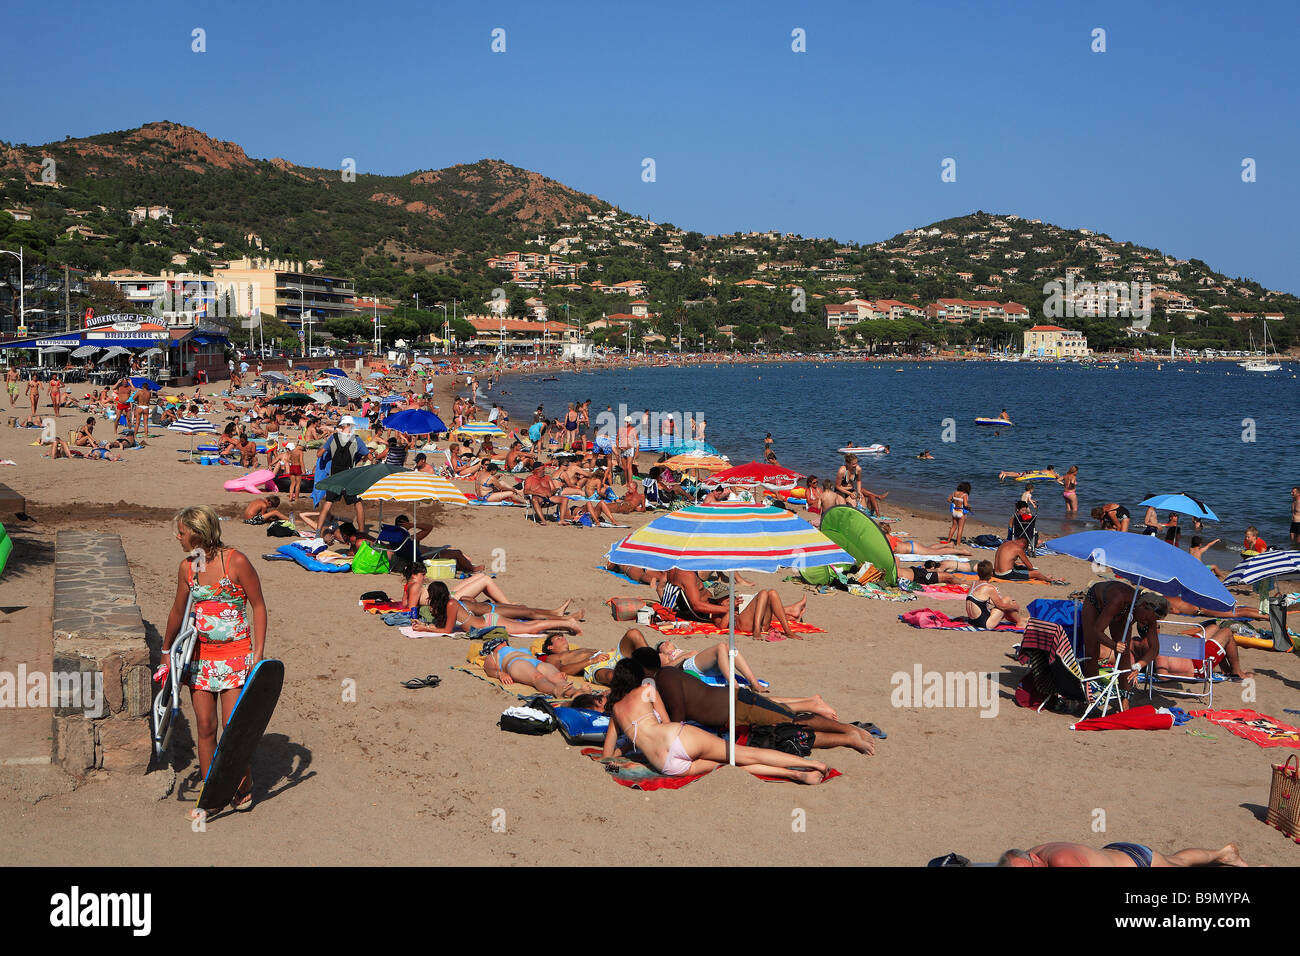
(431, 233)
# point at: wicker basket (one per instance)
(1284, 798)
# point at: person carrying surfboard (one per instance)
(230, 617)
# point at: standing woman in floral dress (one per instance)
(230, 616)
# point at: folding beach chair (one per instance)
(1028, 530)
(1188, 647)
(168, 702)
(1055, 672)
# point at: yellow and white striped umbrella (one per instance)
(414, 486)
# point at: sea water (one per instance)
(1225, 436)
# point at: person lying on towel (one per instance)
(683, 697)
(1118, 854)
(514, 665)
(683, 595)
(597, 667)
(449, 615)
(676, 749)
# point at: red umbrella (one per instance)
(1135, 718)
(756, 473)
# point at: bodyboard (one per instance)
(248, 720)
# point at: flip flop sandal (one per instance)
(416, 683)
(871, 729)
(246, 805)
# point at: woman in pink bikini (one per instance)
(227, 600)
(1071, 481)
(680, 750)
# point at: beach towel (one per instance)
(297, 554)
(496, 504)
(412, 633)
(1259, 728)
(640, 776)
(688, 628)
(1053, 665)
(924, 617)
(941, 590)
(879, 592)
(381, 607)
(522, 691)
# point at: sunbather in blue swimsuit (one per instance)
(1139, 854)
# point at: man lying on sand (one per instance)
(1118, 854)
(685, 697)
(678, 749)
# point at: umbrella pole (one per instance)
(1128, 622)
(731, 684)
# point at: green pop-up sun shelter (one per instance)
(861, 537)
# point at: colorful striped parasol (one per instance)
(414, 486)
(731, 536)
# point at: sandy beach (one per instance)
(404, 776)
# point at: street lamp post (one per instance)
(443, 306)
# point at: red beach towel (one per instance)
(1260, 728)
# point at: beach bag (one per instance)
(1284, 798)
(280, 529)
(793, 739)
(481, 634)
(987, 540)
(369, 561)
(526, 720)
(625, 608)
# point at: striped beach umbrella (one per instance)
(1270, 564)
(85, 351)
(732, 536)
(192, 427)
(348, 388)
(414, 486)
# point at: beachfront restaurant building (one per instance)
(180, 352)
(520, 335)
(1052, 341)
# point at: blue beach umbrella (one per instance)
(336, 372)
(140, 381)
(1183, 504)
(1150, 563)
(415, 421)
(731, 536)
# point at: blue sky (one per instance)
(1143, 142)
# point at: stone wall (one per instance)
(99, 633)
